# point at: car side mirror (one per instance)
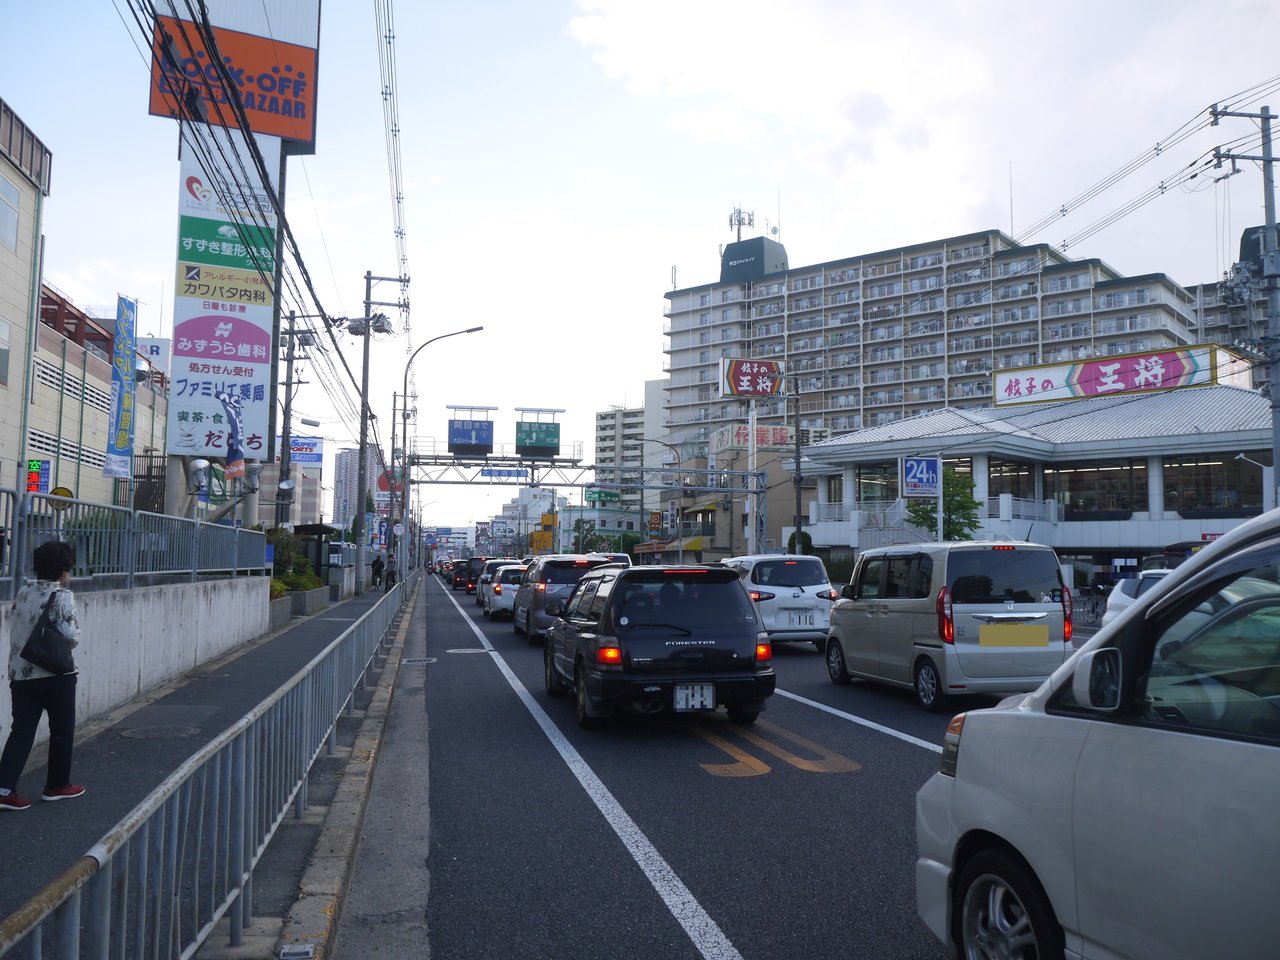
(849, 592)
(485, 578)
(1095, 681)
(555, 609)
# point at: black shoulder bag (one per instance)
(46, 646)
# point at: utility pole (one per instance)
(1270, 268)
(362, 475)
(284, 494)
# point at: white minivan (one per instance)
(952, 618)
(1128, 807)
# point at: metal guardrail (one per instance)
(156, 885)
(117, 542)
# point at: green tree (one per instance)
(959, 509)
(806, 543)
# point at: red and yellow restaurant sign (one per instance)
(1122, 374)
(750, 378)
(276, 80)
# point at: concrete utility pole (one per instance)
(799, 548)
(1270, 269)
(362, 473)
(284, 494)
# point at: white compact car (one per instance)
(500, 591)
(1127, 807)
(793, 594)
(1126, 591)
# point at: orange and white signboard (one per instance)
(750, 378)
(276, 80)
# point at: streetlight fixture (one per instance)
(404, 434)
(675, 450)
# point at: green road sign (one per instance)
(595, 495)
(537, 439)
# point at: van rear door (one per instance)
(1007, 607)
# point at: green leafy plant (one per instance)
(806, 543)
(278, 589)
(959, 508)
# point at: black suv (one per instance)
(653, 639)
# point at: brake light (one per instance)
(497, 588)
(951, 746)
(1004, 546)
(764, 649)
(1068, 608)
(582, 563)
(759, 595)
(946, 624)
(827, 595)
(540, 586)
(682, 571)
(608, 653)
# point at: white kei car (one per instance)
(500, 594)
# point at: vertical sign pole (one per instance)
(752, 546)
(938, 474)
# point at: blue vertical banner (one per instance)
(119, 458)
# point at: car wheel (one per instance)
(742, 715)
(929, 687)
(1001, 911)
(556, 687)
(837, 669)
(485, 611)
(582, 698)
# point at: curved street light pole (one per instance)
(401, 561)
(675, 450)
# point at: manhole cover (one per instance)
(159, 733)
(418, 661)
(468, 650)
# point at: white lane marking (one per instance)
(697, 923)
(861, 721)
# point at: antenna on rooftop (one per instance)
(738, 219)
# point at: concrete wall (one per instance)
(134, 640)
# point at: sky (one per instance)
(562, 159)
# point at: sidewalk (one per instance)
(123, 755)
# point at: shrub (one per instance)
(278, 589)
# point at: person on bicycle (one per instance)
(376, 567)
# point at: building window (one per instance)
(1099, 487)
(1012, 477)
(4, 352)
(9, 197)
(1209, 483)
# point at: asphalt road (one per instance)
(497, 828)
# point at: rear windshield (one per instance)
(568, 571)
(1146, 583)
(999, 576)
(791, 572)
(511, 576)
(693, 601)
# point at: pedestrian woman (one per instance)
(35, 690)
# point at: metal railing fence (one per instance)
(157, 884)
(115, 542)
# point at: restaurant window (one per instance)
(1011, 477)
(877, 482)
(1210, 483)
(835, 489)
(1102, 486)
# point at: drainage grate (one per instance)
(418, 661)
(159, 733)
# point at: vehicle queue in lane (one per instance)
(802, 808)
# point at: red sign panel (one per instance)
(750, 378)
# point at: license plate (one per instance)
(801, 618)
(695, 696)
(1013, 635)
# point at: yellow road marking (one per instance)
(746, 765)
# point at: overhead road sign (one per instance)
(537, 439)
(518, 472)
(596, 495)
(471, 438)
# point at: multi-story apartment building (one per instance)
(621, 442)
(878, 337)
(346, 478)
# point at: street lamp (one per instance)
(404, 433)
(675, 450)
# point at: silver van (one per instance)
(548, 577)
(952, 618)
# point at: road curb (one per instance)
(313, 918)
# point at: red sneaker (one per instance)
(11, 801)
(69, 792)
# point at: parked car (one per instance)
(486, 575)
(500, 591)
(952, 618)
(549, 577)
(1126, 591)
(793, 594)
(1127, 807)
(652, 639)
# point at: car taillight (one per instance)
(827, 595)
(608, 653)
(951, 746)
(497, 588)
(759, 595)
(1068, 608)
(540, 587)
(764, 649)
(946, 625)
